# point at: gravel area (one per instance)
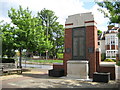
(38, 78)
(61, 83)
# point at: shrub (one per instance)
(60, 55)
(108, 60)
(113, 56)
(5, 60)
(118, 63)
(114, 60)
(103, 56)
(108, 57)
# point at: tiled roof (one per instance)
(101, 36)
(113, 30)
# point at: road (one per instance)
(37, 66)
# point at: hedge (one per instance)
(109, 60)
(5, 60)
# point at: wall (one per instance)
(68, 45)
(91, 42)
(58, 66)
(102, 46)
(8, 65)
(108, 69)
(105, 66)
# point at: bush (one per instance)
(118, 63)
(103, 56)
(60, 55)
(108, 57)
(109, 60)
(113, 56)
(5, 60)
(114, 60)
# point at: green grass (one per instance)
(47, 61)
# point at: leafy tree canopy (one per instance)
(99, 32)
(33, 33)
(113, 10)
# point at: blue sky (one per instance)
(62, 9)
(88, 5)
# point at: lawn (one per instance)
(47, 61)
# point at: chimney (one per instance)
(110, 27)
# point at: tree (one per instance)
(58, 41)
(28, 32)
(35, 34)
(113, 13)
(99, 32)
(7, 40)
(113, 10)
(53, 31)
(0, 40)
(48, 19)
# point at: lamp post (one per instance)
(17, 53)
(24, 50)
(46, 54)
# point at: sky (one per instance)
(62, 9)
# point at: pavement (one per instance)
(38, 78)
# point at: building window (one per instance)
(98, 43)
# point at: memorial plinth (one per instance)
(77, 69)
(80, 45)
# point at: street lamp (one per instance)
(17, 53)
(46, 54)
(24, 50)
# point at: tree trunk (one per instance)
(20, 59)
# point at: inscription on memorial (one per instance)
(79, 49)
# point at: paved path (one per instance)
(38, 78)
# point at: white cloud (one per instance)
(62, 8)
(8, 20)
(99, 18)
(103, 28)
